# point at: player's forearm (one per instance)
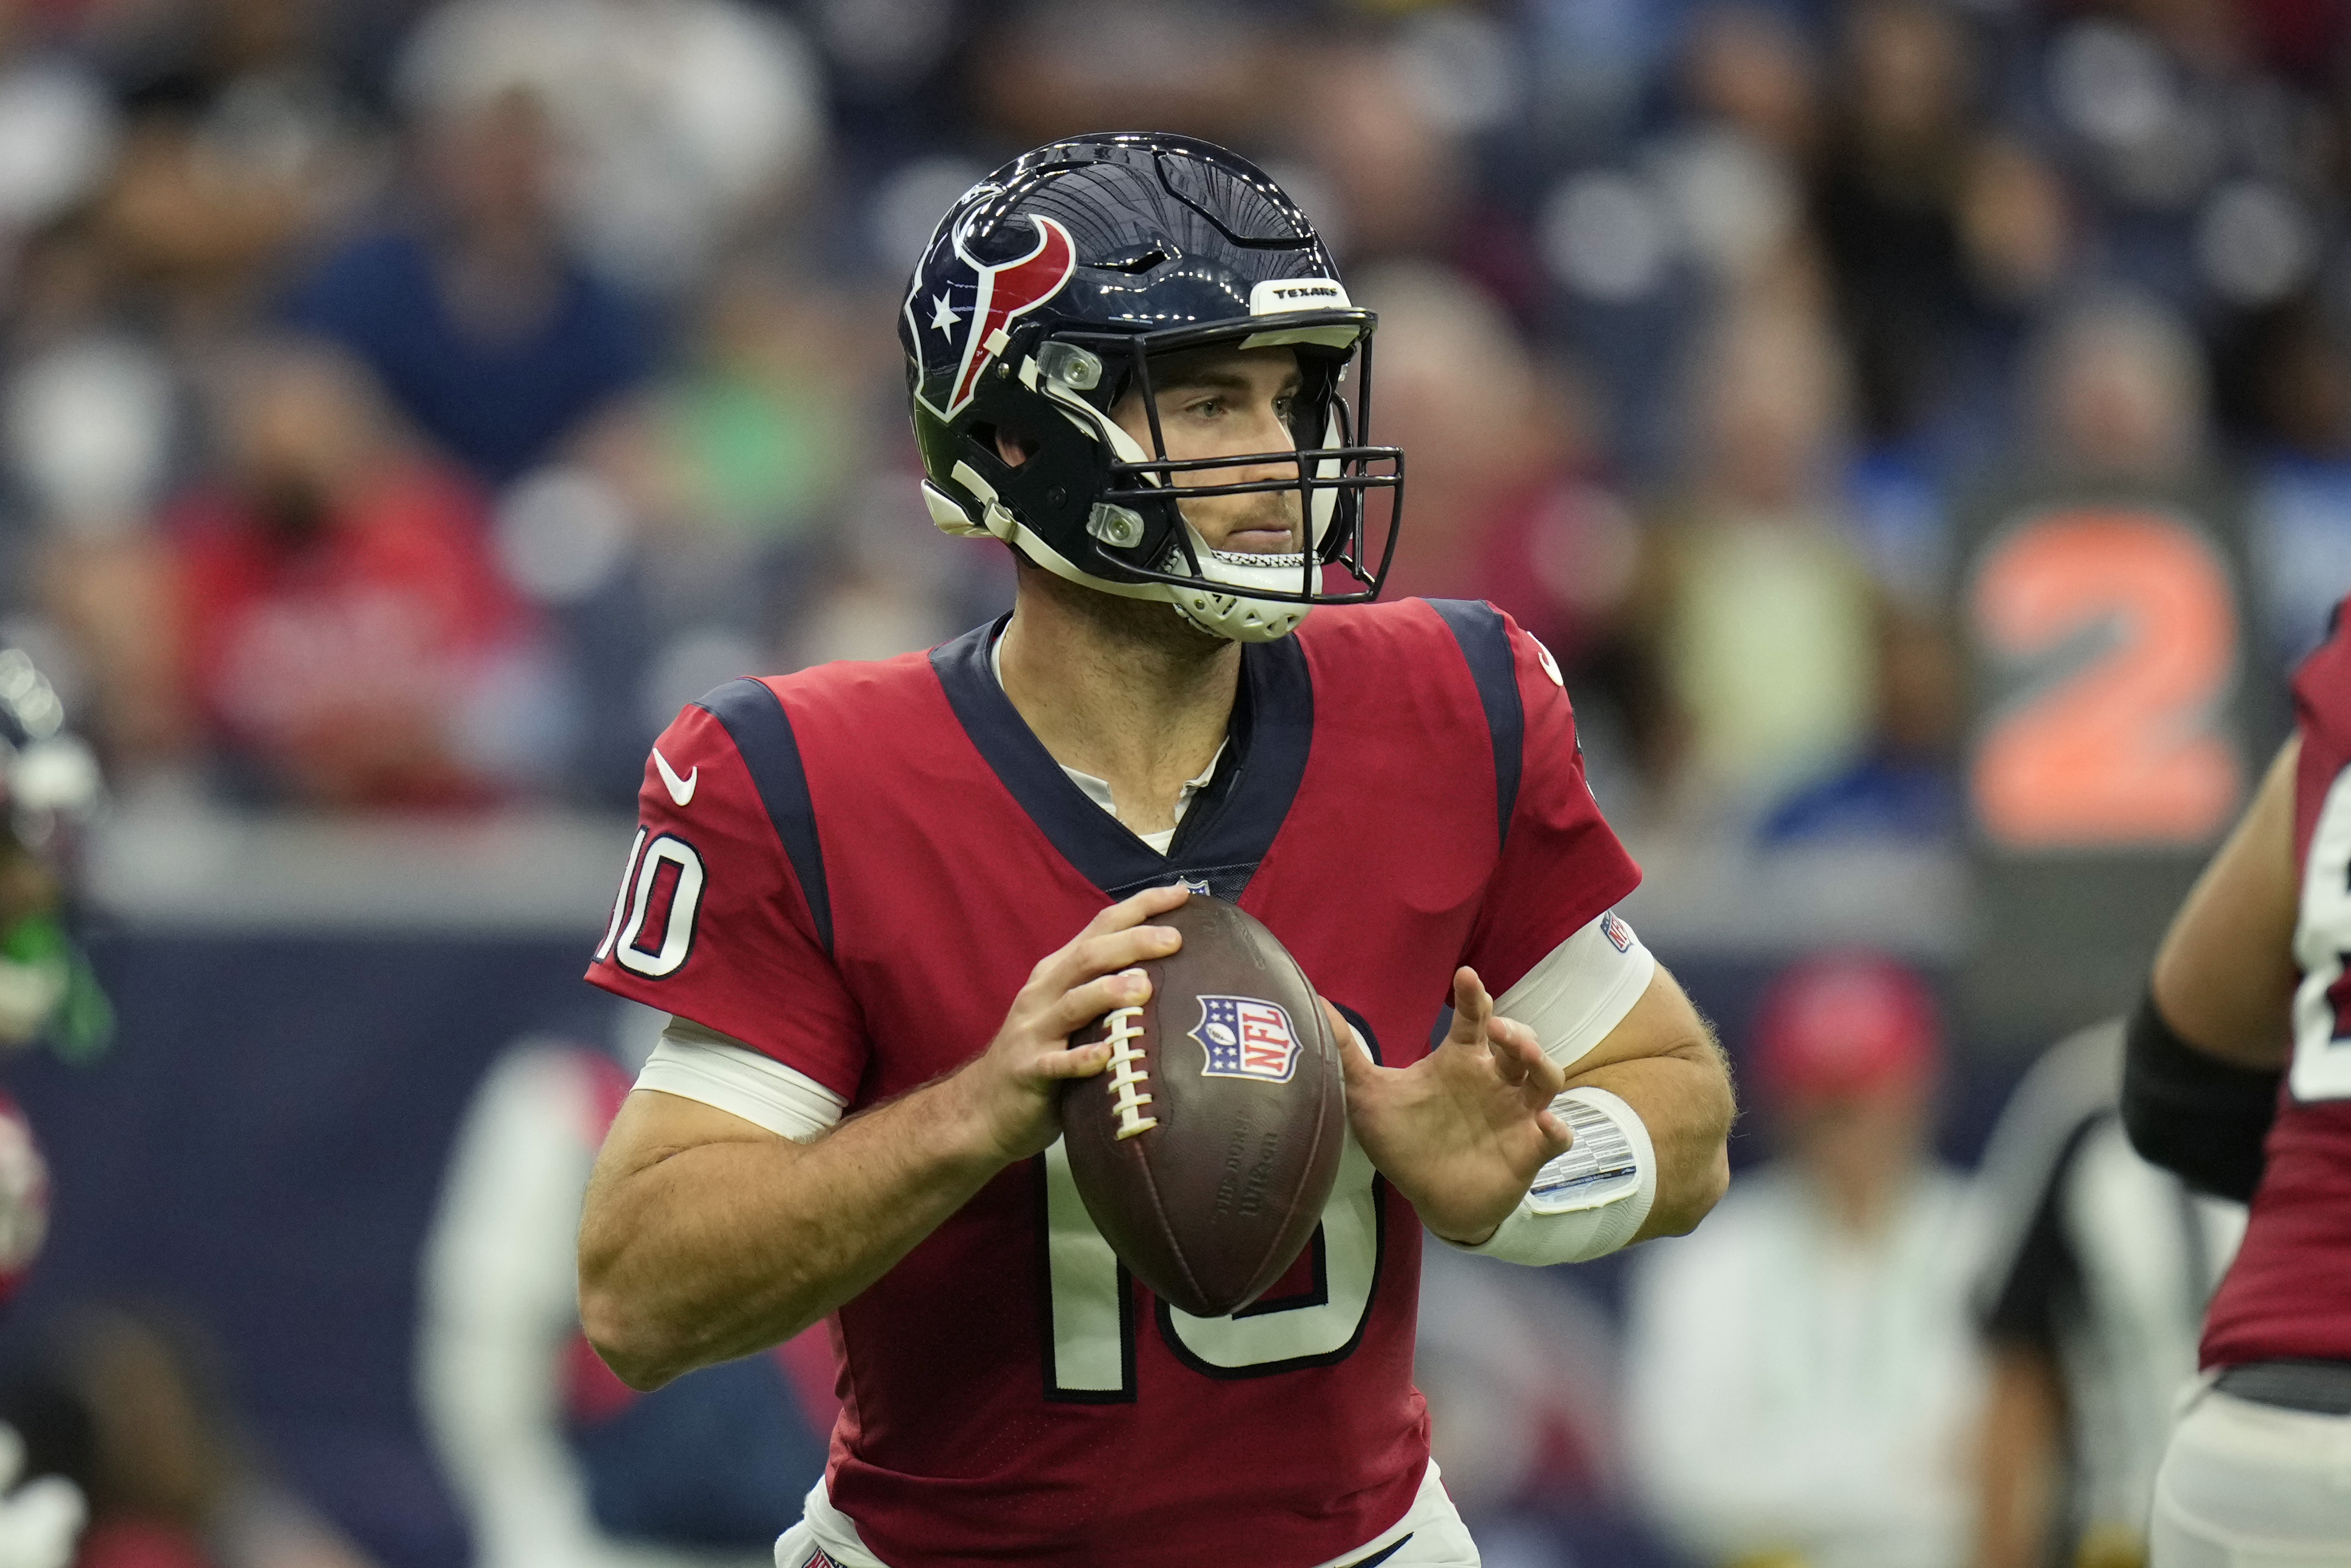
(2225, 975)
(705, 1253)
(2017, 1459)
(1683, 1097)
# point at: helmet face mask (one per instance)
(1045, 301)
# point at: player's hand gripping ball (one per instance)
(1206, 1150)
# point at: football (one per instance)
(1206, 1150)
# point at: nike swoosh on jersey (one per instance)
(680, 789)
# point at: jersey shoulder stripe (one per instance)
(1485, 641)
(754, 718)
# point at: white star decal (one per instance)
(944, 319)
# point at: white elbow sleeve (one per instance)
(1591, 1200)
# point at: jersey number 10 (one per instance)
(1090, 1303)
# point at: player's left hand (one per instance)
(1462, 1131)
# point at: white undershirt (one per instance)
(1572, 997)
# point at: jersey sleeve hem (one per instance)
(700, 1065)
(1582, 989)
(605, 978)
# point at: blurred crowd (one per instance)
(409, 404)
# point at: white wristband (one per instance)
(1591, 1200)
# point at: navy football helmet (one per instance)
(1037, 305)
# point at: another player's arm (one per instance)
(2206, 1047)
(2018, 1457)
(704, 1237)
(2224, 976)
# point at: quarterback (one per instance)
(878, 899)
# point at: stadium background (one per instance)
(1922, 432)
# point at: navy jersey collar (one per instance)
(1229, 825)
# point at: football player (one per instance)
(2250, 987)
(878, 899)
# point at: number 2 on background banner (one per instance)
(2121, 745)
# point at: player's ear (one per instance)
(1012, 447)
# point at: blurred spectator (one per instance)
(1887, 203)
(1456, 388)
(92, 422)
(486, 329)
(129, 1406)
(1508, 500)
(1518, 1370)
(680, 122)
(560, 1465)
(1904, 786)
(1059, 67)
(56, 133)
(1396, 179)
(2016, 223)
(2091, 1302)
(2294, 379)
(2189, 162)
(346, 637)
(241, 139)
(1750, 67)
(2116, 393)
(706, 530)
(1701, 218)
(1803, 1380)
(1937, 374)
(1520, 1373)
(762, 429)
(1761, 613)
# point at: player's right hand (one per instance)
(1012, 1085)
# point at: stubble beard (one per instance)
(1126, 628)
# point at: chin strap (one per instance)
(1234, 617)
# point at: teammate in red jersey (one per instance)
(877, 899)
(2251, 986)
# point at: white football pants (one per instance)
(2252, 1486)
(1430, 1532)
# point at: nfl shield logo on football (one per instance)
(1245, 1037)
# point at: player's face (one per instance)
(1220, 402)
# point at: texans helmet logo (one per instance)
(957, 292)
(1245, 1037)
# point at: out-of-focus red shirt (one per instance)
(342, 660)
(133, 1542)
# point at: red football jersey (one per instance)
(853, 869)
(2288, 1294)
